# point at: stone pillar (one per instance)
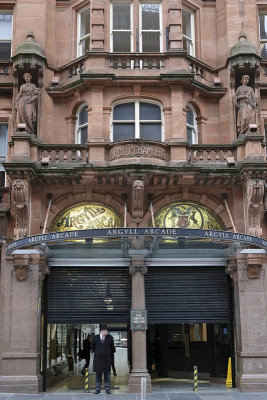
(139, 358)
(249, 273)
(175, 25)
(97, 25)
(20, 328)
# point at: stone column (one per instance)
(249, 273)
(139, 358)
(20, 328)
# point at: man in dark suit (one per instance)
(103, 348)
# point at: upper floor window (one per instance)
(122, 31)
(191, 125)
(148, 36)
(263, 35)
(188, 31)
(150, 17)
(3, 152)
(137, 120)
(82, 125)
(83, 31)
(5, 35)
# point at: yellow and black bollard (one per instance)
(86, 381)
(195, 386)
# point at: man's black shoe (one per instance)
(97, 391)
(108, 391)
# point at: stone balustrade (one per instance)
(61, 153)
(212, 154)
(136, 61)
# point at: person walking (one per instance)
(86, 352)
(103, 348)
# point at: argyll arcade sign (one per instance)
(212, 235)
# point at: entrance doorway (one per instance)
(174, 350)
(75, 301)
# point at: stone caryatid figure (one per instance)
(27, 105)
(247, 108)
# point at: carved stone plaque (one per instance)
(146, 150)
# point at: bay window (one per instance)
(188, 31)
(150, 17)
(121, 31)
(137, 120)
(191, 125)
(83, 31)
(82, 125)
(263, 35)
(3, 152)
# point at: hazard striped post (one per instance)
(195, 386)
(86, 381)
(228, 382)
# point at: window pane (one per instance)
(150, 112)
(83, 135)
(121, 42)
(85, 45)
(150, 16)
(187, 24)
(187, 45)
(123, 132)
(2, 178)
(5, 50)
(263, 26)
(264, 50)
(150, 42)
(190, 117)
(3, 140)
(150, 131)
(124, 112)
(83, 117)
(190, 135)
(5, 25)
(85, 22)
(121, 16)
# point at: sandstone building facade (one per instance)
(127, 114)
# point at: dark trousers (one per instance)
(87, 362)
(98, 380)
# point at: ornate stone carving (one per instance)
(43, 269)
(231, 270)
(20, 188)
(254, 266)
(138, 199)
(255, 192)
(145, 150)
(247, 107)
(137, 268)
(21, 272)
(27, 105)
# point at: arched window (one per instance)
(82, 125)
(137, 120)
(191, 125)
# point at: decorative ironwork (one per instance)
(186, 215)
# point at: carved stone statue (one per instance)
(247, 108)
(27, 105)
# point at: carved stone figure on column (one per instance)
(247, 108)
(20, 188)
(27, 105)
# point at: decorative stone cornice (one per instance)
(137, 268)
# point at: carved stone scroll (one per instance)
(138, 199)
(255, 192)
(137, 268)
(20, 189)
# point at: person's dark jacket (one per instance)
(86, 347)
(102, 353)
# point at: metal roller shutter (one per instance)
(187, 295)
(89, 295)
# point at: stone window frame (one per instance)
(187, 38)
(3, 155)
(130, 2)
(194, 127)
(87, 36)
(137, 120)
(77, 126)
(8, 40)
